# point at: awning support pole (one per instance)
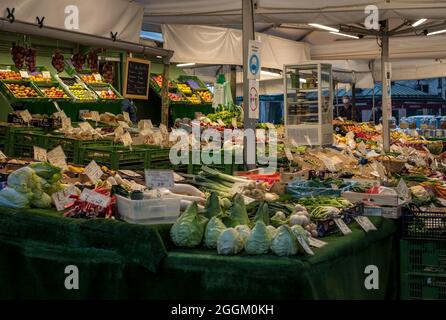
(165, 94)
(248, 34)
(386, 97)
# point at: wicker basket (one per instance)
(392, 165)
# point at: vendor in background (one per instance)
(129, 107)
(378, 115)
(346, 111)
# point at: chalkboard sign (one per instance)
(136, 81)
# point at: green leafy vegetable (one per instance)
(285, 242)
(188, 230)
(229, 242)
(259, 240)
(262, 214)
(212, 207)
(213, 230)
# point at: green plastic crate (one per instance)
(71, 146)
(157, 158)
(7, 132)
(423, 286)
(423, 256)
(23, 143)
(114, 157)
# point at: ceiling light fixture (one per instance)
(418, 22)
(186, 64)
(269, 73)
(321, 26)
(436, 32)
(345, 35)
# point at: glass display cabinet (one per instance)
(308, 103)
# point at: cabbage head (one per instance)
(10, 198)
(272, 231)
(24, 180)
(213, 230)
(43, 201)
(188, 230)
(236, 215)
(229, 242)
(262, 213)
(212, 207)
(47, 171)
(244, 231)
(285, 242)
(259, 241)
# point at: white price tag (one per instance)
(57, 157)
(62, 198)
(126, 139)
(342, 226)
(316, 243)
(95, 116)
(146, 132)
(97, 76)
(307, 138)
(145, 124)
(95, 198)
(220, 122)
(247, 199)
(24, 74)
(46, 74)
(126, 116)
(304, 245)
(66, 123)
(288, 154)
(362, 148)
(123, 124)
(163, 129)
(293, 142)
(365, 223)
(159, 178)
(39, 154)
(85, 126)
(26, 116)
(93, 171)
(234, 122)
(2, 155)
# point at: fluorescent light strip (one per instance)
(321, 26)
(186, 64)
(436, 32)
(418, 22)
(268, 73)
(345, 35)
(302, 80)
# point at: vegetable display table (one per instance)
(183, 110)
(118, 260)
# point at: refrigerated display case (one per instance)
(309, 103)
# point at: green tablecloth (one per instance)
(119, 260)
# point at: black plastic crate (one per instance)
(328, 226)
(423, 256)
(423, 286)
(428, 225)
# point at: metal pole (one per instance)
(386, 97)
(248, 34)
(233, 79)
(353, 102)
(165, 94)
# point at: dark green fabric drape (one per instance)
(118, 260)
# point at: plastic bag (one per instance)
(10, 198)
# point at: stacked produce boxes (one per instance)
(423, 254)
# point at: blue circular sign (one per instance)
(254, 64)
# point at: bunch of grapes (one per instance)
(58, 61)
(78, 60)
(92, 60)
(30, 59)
(18, 56)
(107, 72)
